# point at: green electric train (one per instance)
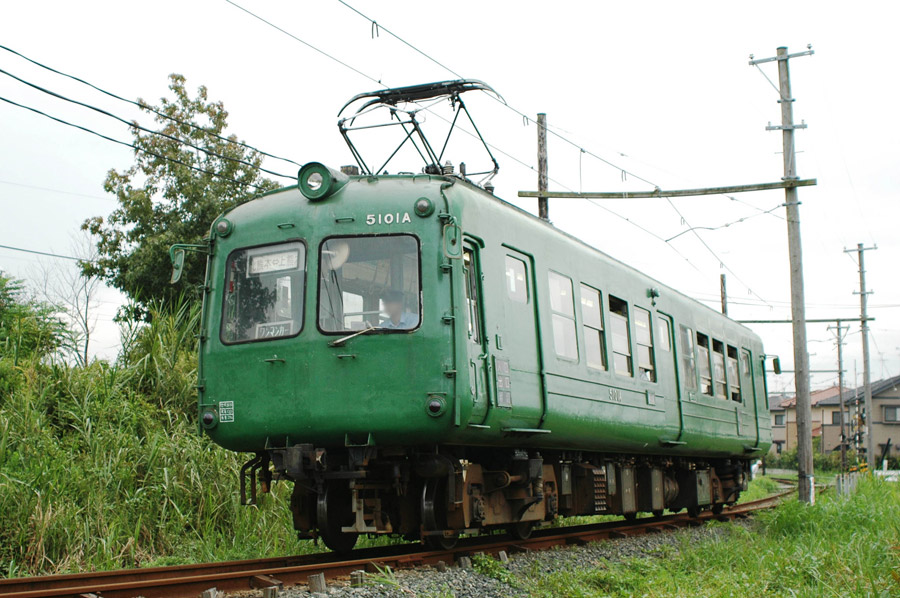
(423, 359)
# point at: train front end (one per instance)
(322, 323)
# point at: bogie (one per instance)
(437, 495)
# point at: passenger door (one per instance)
(667, 374)
(476, 344)
(748, 390)
(517, 359)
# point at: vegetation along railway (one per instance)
(420, 358)
(189, 581)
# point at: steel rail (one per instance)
(185, 581)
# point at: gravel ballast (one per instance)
(468, 583)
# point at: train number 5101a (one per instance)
(396, 218)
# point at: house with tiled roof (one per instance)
(885, 420)
(784, 417)
(826, 418)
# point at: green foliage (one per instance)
(822, 462)
(760, 487)
(839, 547)
(162, 202)
(161, 357)
(102, 467)
(28, 328)
(30, 331)
(787, 459)
(491, 567)
(383, 576)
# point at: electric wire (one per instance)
(51, 190)
(523, 115)
(305, 43)
(727, 224)
(563, 138)
(722, 264)
(147, 107)
(494, 147)
(378, 27)
(142, 128)
(132, 146)
(46, 253)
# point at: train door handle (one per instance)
(275, 359)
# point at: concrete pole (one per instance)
(798, 301)
(867, 385)
(840, 347)
(543, 179)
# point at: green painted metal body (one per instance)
(375, 388)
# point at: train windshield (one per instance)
(263, 295)
(369, 282)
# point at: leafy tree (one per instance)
(29, 330)
(184, 175)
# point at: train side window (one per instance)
(703, 358)
(734, 376)
(618, 315)
(644, 336)
(719, 369)
(563, 317)
(594, 335)
(516, 285)
(664, 341)
(688, 359)
(473, 310)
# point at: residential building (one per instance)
(826, 418)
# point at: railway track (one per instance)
(188, 581)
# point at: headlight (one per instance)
(316, 181)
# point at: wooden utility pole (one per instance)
(543, 179)
(724, 293)
(864, 327)
(795, 250)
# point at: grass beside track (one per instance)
(839, 547)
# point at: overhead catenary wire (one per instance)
(492, 146)
(147, 107)
(524, 116)
(305, 43)
(727, 224)
(625, 172)
(142, 128)
(132, 146)
(723, 265)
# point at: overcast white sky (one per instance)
(661, 89)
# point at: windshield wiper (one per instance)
(340, 341)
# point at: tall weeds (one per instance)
(101, 466)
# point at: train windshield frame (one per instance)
(369, 282)
(264, 293)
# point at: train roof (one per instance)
(470, 186)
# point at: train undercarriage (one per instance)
(435, 495)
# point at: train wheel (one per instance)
(334, 510)
(658, 513)
(441, 542)
(434, 514)
(693, 511)
(630, 516)
(718, 508)
(521, 530)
